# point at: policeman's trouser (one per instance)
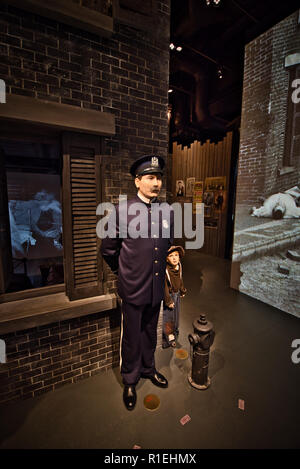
(138, 341)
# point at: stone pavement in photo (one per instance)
(255, 237)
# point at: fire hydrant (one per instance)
(201, 340)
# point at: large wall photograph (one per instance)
(266, 249)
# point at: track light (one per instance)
(220, 73)
(169, 114)
(214, 3)
(177, 48)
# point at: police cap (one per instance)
(147, 164)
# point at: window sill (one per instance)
(286, 170)
(60, 116)
(32, 312)
(32, 293)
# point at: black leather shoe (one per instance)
(157, 379)
(129, 397)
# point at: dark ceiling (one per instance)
(213, 40)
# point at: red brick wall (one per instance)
(264, 115)
(45, 358)
(127, 75)
(283, 43)
(255, 122)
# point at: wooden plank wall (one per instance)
(201, 161)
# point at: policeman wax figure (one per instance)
(140, 263)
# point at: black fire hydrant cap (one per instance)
(202, 325)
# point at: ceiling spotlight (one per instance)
(215, 3)
(170, 91)
(220, 73)
(177, 48)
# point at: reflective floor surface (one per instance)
(253, 400)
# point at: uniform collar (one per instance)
(145, 199)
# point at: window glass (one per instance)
(35, 213)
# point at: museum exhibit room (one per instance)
(149, 227)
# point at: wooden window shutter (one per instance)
(6, 264)
(81, 193)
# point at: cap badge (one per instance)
(154, 162)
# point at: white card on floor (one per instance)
(185, 419)
(241, 404)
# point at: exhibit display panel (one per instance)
(266, 248)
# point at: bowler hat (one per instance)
(147, 164)
(176, 248)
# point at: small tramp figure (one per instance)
(174, 289)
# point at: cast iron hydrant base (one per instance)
(201, 340)
(198, 386)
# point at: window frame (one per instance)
(21, 131)
(36, 134)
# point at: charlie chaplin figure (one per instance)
(174, 289)
(140, 263)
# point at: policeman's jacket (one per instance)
(138, 249)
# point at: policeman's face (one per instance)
(173, 258)
(149, 185)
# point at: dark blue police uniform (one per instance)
(140, 263)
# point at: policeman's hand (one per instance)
(171, 306)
